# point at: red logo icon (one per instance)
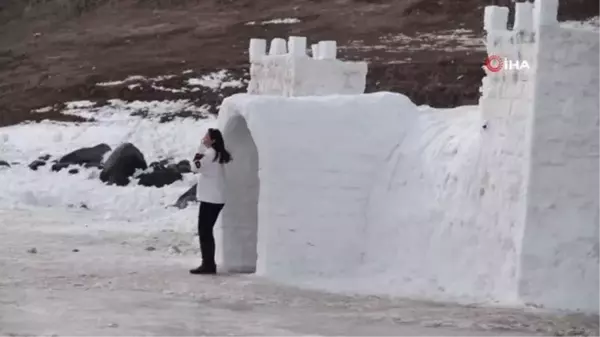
(494, 63)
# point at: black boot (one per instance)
(205, 269)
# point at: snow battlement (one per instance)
(287, 70)
(511, 52)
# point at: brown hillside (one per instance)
(56, 50)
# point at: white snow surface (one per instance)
(284, 21)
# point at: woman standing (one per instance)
(209, 162)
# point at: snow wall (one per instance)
(287, 71)
(318, 160)
(369, 193)
(559, 264)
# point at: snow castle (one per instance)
(337, 189)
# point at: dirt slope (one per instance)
(56, 50)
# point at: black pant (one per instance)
(207, 216)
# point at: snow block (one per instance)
(297, 45)
(495, 18)
(278, 46)
(257, 49)
(327, 50)
(315, 51)
(523, 16)
(545, 13)
(286, 75)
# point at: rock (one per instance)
(150, 249)
(32, 251)
(73, 171)
(4, 163)
(184, 166)
(59, 166)
(45, 157)
(86, 155)
(122, 164)
(159, 177)
(36, 163)
(75, 250)
(185, 198)
(93, 165)
(161, 164)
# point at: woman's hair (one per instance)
(221, 154)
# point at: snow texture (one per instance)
(294, 74)
(559, 266)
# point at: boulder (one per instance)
(36, 164)
(59, 166)
(159, 177)
(161, 164)
(4, 163)
(45, 157)
(122, 164)
(94, 165)
(184, 166)
(187, 197)
(86, 155)
(73, 171)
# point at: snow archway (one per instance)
(302, 209)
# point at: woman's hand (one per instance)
(197, 159)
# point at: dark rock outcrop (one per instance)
(184, 166)
(122, 164)
(86, 155)
(4, 163)
(34, 165)
(59, 166)
(159, 177)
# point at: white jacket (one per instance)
(211, 176)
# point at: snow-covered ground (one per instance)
(115, 124)
(88, 276)
(114, 260)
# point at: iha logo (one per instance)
(495, 63)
